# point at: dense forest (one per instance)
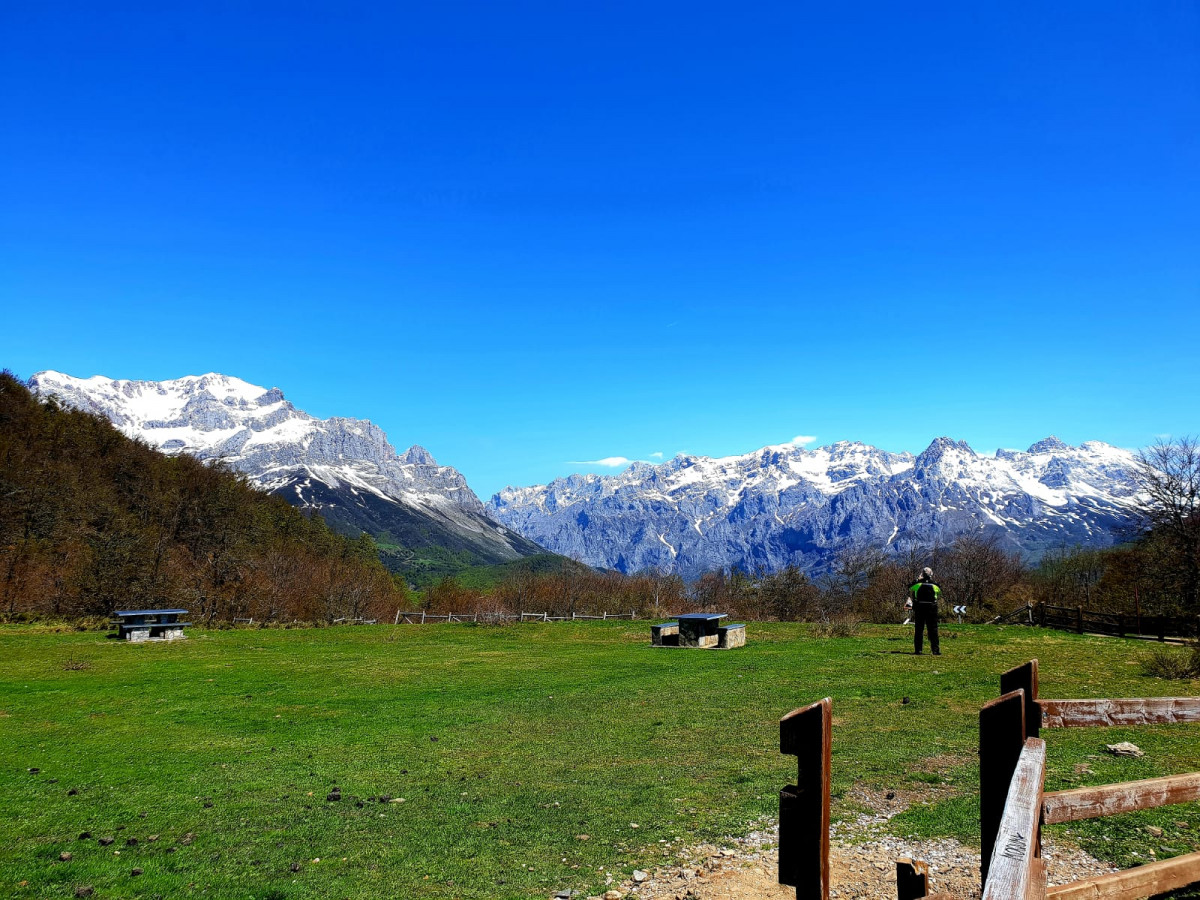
(92, 521)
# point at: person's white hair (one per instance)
(927, 573)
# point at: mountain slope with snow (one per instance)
(344, 468)
(784, 505)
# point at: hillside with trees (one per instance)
(92, 521)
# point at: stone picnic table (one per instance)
(700, 630)
(150, 624)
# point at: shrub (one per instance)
(1169, 662)
(837, 626)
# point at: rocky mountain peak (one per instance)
(940, 448)
(1049, 445)
(416, 455)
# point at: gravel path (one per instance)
(862, 858)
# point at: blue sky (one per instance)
(528, 235)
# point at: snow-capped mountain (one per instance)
(784, 505)
(345, 468)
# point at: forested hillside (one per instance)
(92, 521)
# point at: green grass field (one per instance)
(506, 744)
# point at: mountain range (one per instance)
(778, 506)
(420, 513)
(785, 505)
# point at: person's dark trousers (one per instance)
(926, 618)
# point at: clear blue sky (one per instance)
(529, 234)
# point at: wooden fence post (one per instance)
(807, 734)
(1016, 871)
(1025, 678)
(912, 879)
(1079, 620)
(1001, 738)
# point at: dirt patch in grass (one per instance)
(940, 764)
(888, 803)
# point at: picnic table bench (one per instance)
(139, 625)
(702, 630)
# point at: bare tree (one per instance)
(975, 571)
(1168, 473)
(854, 569)
(788, 595)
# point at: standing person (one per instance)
(925, 595)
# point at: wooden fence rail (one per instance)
(424, 618)
(1114, 799)
(1134, 884)
(1080, 620)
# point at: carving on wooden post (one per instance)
(807, 734)
(1013, 871)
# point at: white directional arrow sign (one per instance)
(960, 610)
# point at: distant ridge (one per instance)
(784, 505)
(424, 516)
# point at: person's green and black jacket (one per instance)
(925, 592)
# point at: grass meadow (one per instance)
(503, 762)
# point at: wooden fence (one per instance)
(346, 620)
(1012, 766)
(1013, 803)
(1080, 620)
(423, 618)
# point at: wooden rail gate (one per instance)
(1013, 804)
